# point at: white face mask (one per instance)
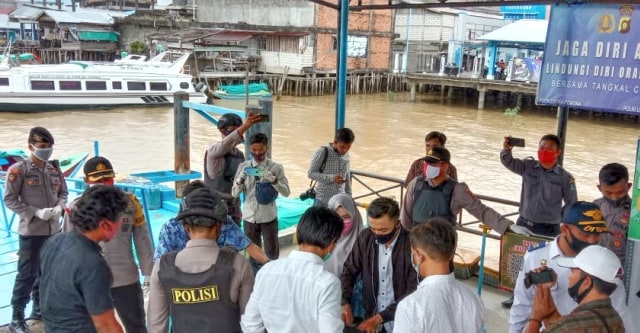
(432, 171)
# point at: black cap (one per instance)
(437, 154)
(229, 119)
(202, 208)
(40, 135)
(585, 215)
(98, 168)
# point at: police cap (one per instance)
(585, 215)
(98, 168)
(40, 135)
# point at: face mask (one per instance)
(546, 157)
(576, 244)
(259, 157)
(326, 258)
(383, 239)
(416, 267)
(574, 291)
(43, 154)
(430, 171)
(615, 203)
(348, 224)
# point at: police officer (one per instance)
(222, 158)
(582, 225)
(37, 192)
(545, 185)
(435, 194)
(125, 289)
(203, 288)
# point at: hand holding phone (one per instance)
(253, 172)
(515, 142)
(546, 275)
(264, 118)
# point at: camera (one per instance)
(544, 276)
(308, 194)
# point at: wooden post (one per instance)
(519, 101)
(182, 147)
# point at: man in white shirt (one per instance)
(441, 303)
(296, 294)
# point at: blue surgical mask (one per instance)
(432, 171)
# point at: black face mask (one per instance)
(576, 244)
(383, 239)
(574, 291)
(617, 203)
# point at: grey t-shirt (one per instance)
(75, 283)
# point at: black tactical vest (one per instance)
(201, 302)
(224, 182)
(430, 201)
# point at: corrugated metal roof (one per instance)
(522, 31)
(6, 24)
(30, 13)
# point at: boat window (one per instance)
(184, 85)
(42, 85)
(96, 85)
(158, 86)
(4, 81)
(136, 86)
(116, 85)
(70, 85)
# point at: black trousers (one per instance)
(129, 303)
(256, 232)
(551, 230)
(28, 271)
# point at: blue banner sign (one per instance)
(592, 58)
(519, 12)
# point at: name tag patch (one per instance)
(194, 295)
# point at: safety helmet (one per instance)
(229, 119)
(202, 208)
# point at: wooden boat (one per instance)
(91, 85)
(68, 165)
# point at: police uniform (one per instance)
(118, 253)
(446, 200)
(221, 161)
(617, 218)
(543, 192)
(548, 253)
(202, 287)
(30, 188)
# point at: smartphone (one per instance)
(253, 172)
(545, 276)
(264, 118)
(516, 142)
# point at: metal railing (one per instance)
(394, 187)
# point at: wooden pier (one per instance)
(417, 81)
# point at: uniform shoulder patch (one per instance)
(537, 247)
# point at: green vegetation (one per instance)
(137, 47)
(512, 111)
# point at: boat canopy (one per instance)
(101, 36)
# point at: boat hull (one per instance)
(16, 102)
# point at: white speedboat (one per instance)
(90, 85)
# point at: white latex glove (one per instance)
(520, 230)
(241, 178)
(268, 176)
(57, 213)
(44, 214)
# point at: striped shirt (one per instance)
(335, 165)
(592, 317)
